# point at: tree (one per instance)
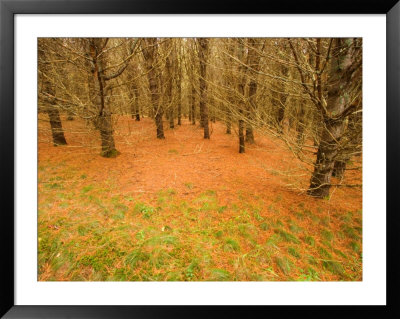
(343, 88)
(203, 49)
(253, 63)
(47, 95)
(169, 69)
(241, 56)
(150, 50)
(178, 73)
(101, 72)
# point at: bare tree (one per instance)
(203, 50)
(47, 96)
(150, 50)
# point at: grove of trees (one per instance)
(305, 91)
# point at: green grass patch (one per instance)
(284, 264)
(311, 260)
(350, 232)
(309, 275)
(135, 257)
(53, 186)
(294, 252)
(355, 246)
(264, 226)
(339, 252)
(146, 210)
(231, 245)
(86, 189)
(287, 236)
(324, 253)
(326, 234)
(220, 275)
(190, 272)
(310, 240)
(333, 266)
(219, 234)
(294, 228)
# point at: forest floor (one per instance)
(188, 209)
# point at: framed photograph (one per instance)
(167, 159)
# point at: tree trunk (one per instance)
(300, 124)
(327, 151)
(241, 136)
(193, 106)
(149, 53)
(253, 61)
(137, 111)
(241, 90)
(249, 134)
(52, 111)
(97, 96)
(338, 169)
(179, 88)
(106, 135)
(56, 126)
(190, 114)
(228, 127)
(171, 118)
(203, 52)
(134, 95)
(339, 79)
(168, 92)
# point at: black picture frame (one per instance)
(9, 8)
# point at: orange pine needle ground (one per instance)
(185, 208)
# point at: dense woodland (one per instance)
(306, 92)
(197, 159)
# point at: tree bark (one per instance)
(228, 126)
(168, 93)
(241, 90)
(193, 104)
(179, 89)
(249, 134)
(253, 61)
(300, 124)
(134, 95)
(48, 89)
(203, 52)
(340, 74)
(338, 169)
(149, 53)
(241, 136)
(97, 93)
(107, 138)
(56, 126)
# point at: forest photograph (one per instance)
(199, 159)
